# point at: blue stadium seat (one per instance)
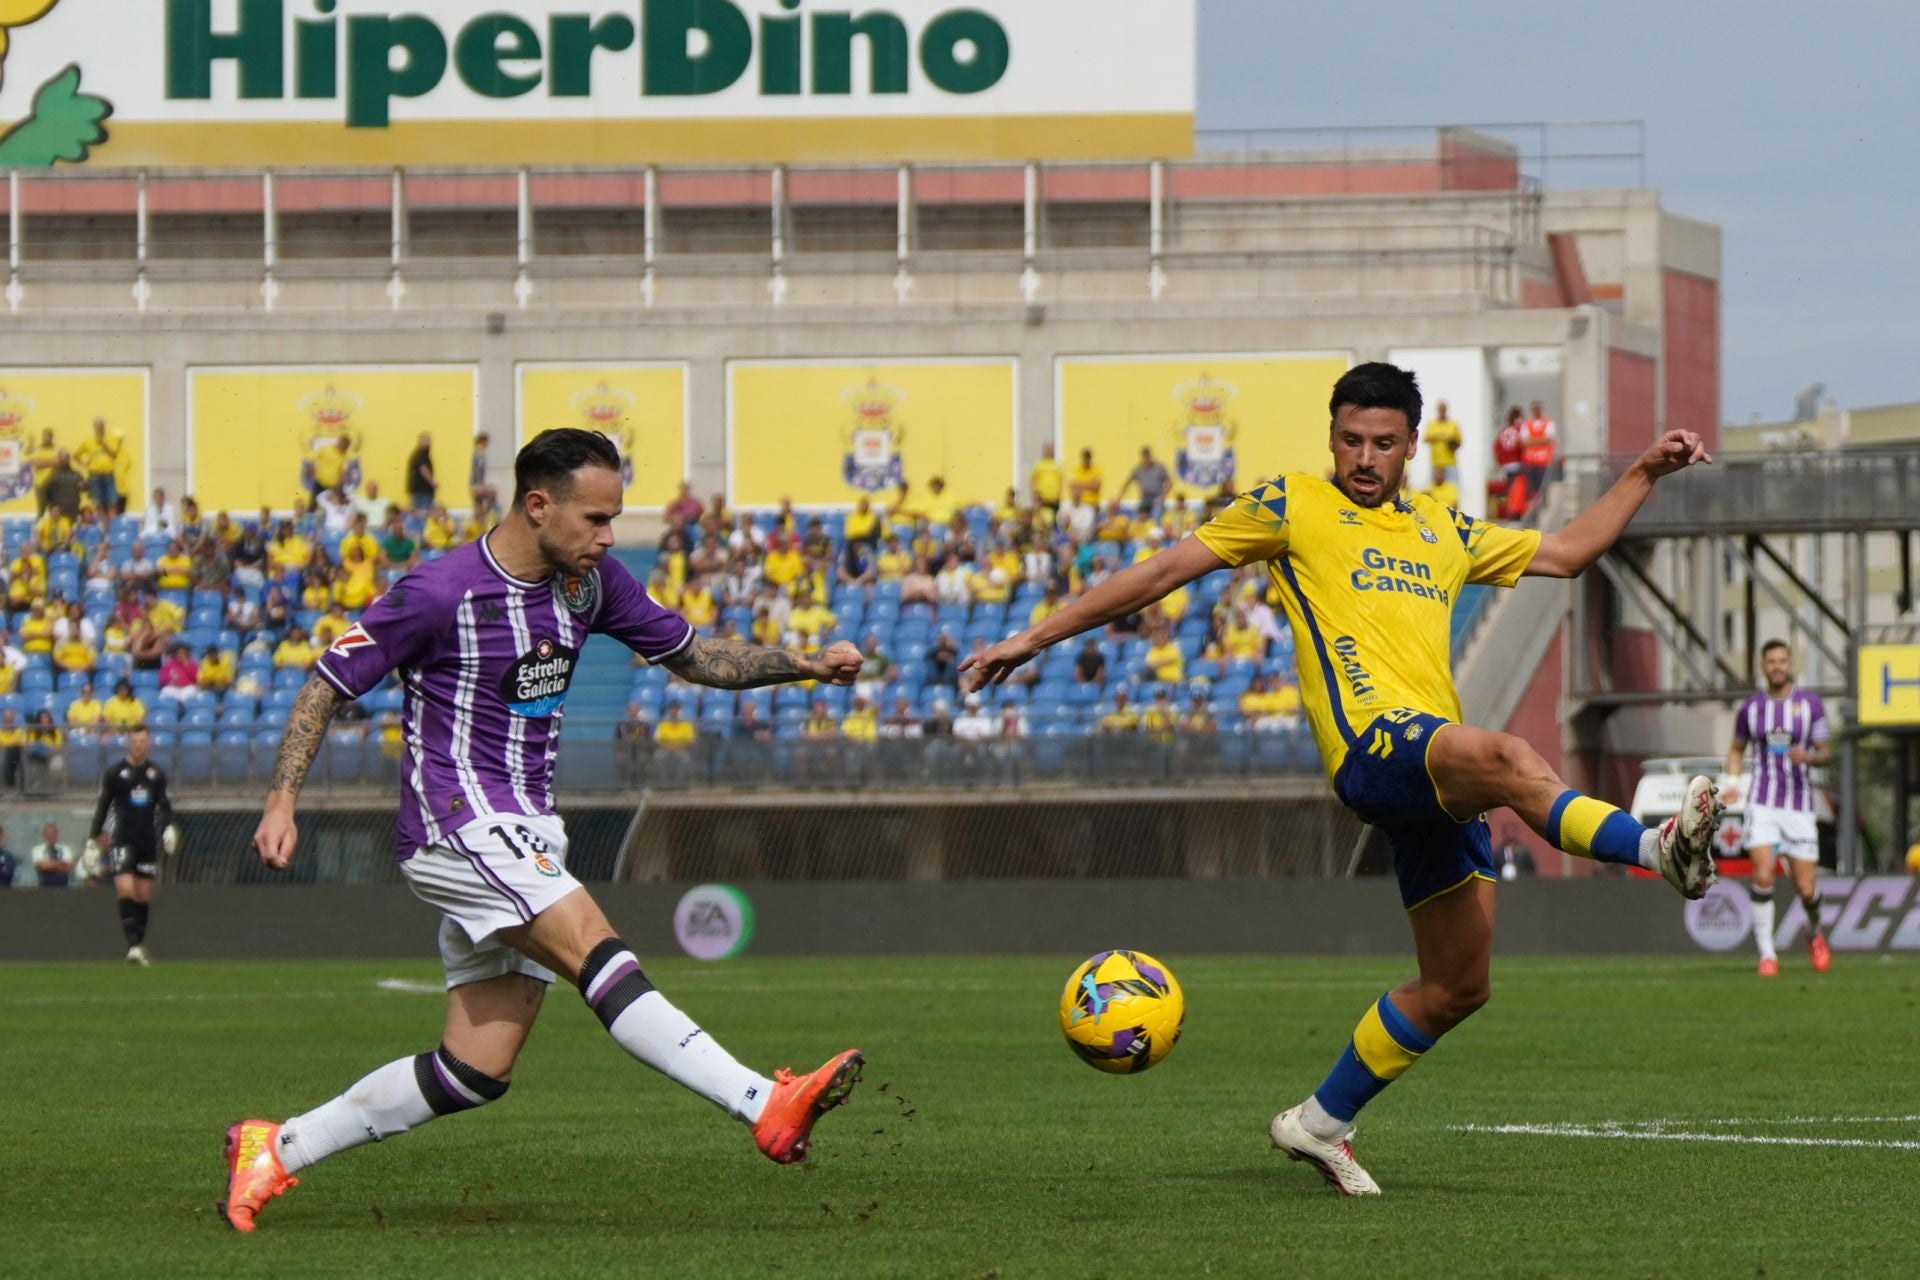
(201, 717)
(289, 678)
(36, 680)
(70, 681)
(237, 717)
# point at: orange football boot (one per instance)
(1822, 954)
(784, 1127)
(1769, 968)
(254, 1172)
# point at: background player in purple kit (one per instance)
(1788, 731)
(486, 639)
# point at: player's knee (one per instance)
(1515, 760)
(451, 1085)
(1451, 1004)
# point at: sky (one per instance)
(1794, 126)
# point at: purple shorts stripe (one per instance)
(520, 904)
(606, 982)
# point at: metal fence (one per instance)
(1798, 492)
(593, 762)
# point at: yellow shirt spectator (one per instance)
(84, 713)
(26, 579)
(939, 510)
(174, 573)
(357, 586)
(676, 735)
(861, 524)
(440, 534)
(8, 679)
(1242, 641)
(1280, 700)
(166, 615)
(1045, 480)
(811, 621)
(35, 634)
(123, 713)
(1086, 483)
(329, 627)
(986, 590)
(1168, 663)
(290, 554)
(16, 735)
(52, 533)
(893, 565)
(861, 725)
(294, 653)
(1007, 560)
(329, 465)
(1159, 720)
(365, 543)
(316, 595)
(1176, 603)
(698, 608)
(1442, 438)
(73, 654)
(216, 671)
(1044, 609)
(1120, 720)
(98, 456)
(782, 567)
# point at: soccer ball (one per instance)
(1122, 1011)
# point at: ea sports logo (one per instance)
(1722, 919)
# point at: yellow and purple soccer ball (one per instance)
(1122, 1011)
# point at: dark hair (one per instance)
(1378, 386)
(1771, 645)
(550, 459)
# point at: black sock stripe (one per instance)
(443, 1100)
(1759, 895)
(597, 959)
(472, 1077)
(620, 995)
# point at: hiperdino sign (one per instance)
(554, 82)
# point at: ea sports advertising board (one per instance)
(254, 83)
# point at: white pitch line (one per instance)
(1663, 1135)
(411, 988)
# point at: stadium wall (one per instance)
(1295, 917)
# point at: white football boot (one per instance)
(1334, 1160)
(1686, 841)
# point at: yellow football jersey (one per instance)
(1368, 592)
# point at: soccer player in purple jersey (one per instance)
(1788, 731)
(486, 639)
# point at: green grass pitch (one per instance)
(979, 1146)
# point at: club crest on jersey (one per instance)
(353, 638)
(536, 685)
(545, 866)
(1427, 533)
(578, 594)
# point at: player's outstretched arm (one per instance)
(1568, 552)
(1128, 591)
(306, 729)
(735, 664)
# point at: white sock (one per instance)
(400, 1096)
(1315, 1120)
(1650, 849)
(1763, 922)
(385, 1103)
(670, 1042)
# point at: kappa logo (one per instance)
(491, 612)
(354, 638)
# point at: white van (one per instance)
(1663, 785)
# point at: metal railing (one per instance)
(1856, 491)
(593, 762)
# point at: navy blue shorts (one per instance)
(1384, 779)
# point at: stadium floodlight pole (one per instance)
(903, 234)
(777, 286)
(269, 238)
(1030, 238)
(650, 229)
(14, 233)
(397, 233)
(523, 281)
(142, 293)
(1156, 227)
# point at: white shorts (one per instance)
(492, 874)
(1791, 832)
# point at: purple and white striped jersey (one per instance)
(1773, 726)
(485, 659)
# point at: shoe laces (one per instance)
(784, 1075)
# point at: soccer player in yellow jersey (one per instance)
(1368, 579)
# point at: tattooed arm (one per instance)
(306, 730)
(735, 664)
